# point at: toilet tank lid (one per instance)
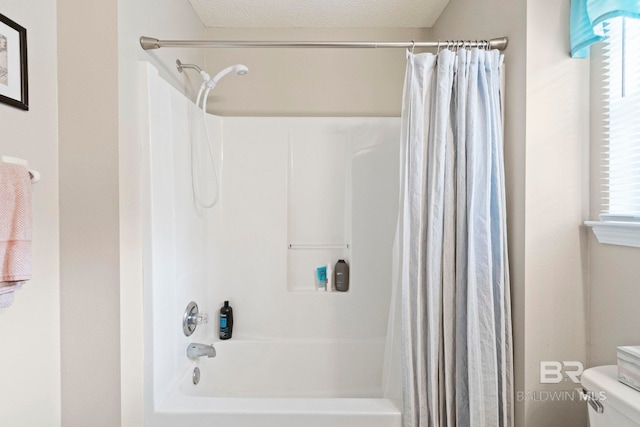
(618, 395)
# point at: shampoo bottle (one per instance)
(226, 321)
(341, 276)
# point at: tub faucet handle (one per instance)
(192, 318)
(200, 318)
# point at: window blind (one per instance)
(621, 154)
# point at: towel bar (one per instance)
(35, 175)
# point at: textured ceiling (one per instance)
(319, 13)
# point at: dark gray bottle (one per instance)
(226, 321)
(341, 276)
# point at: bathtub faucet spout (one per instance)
(195, 350)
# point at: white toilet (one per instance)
(611, 403)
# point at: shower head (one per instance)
(239, 69)
(209, 82)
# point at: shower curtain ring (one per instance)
(413, 46)
(438, 47)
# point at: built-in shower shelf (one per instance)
(303, 260)
(318, 246)
(308, 291)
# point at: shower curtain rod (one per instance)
(153, 43)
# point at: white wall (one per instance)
(556, 206)
(557, 177)
(613, 289)
(30, 328)
(88, 123)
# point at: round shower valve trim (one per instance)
(192, 318)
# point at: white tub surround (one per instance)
(295, 194)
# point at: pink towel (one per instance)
(15, 229)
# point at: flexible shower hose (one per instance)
(204, 88)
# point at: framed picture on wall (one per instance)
(13, 64)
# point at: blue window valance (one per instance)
(588, 16)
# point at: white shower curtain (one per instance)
(451, 258)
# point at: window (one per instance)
(620, 213)
(621, 160)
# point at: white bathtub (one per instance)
(251, 384)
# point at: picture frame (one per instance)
(14, 82)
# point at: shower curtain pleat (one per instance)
(451, 252)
